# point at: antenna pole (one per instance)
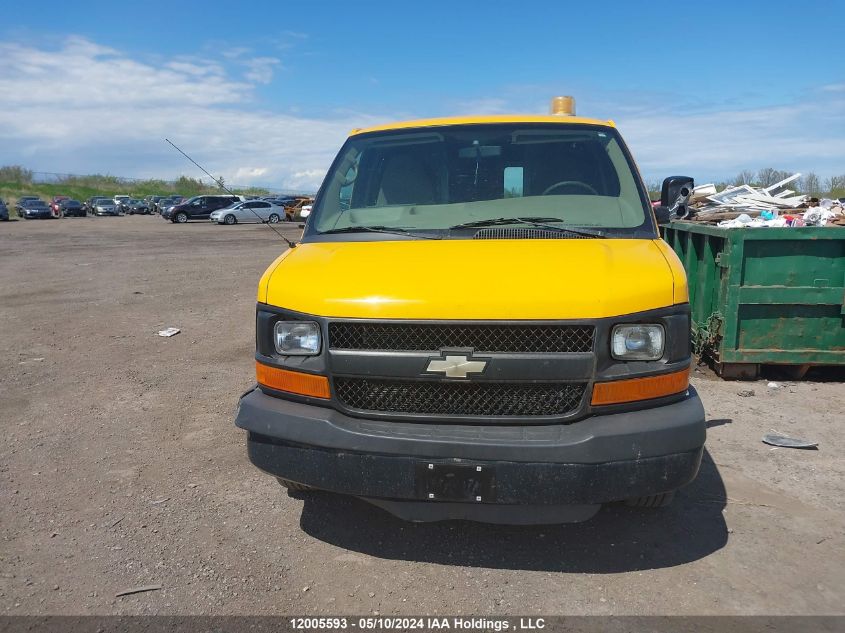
(219, 183)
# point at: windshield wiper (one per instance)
(537, 222)
(378, 229)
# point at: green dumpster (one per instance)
(763, 296)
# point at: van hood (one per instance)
(475, 279)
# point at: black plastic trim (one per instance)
(547, 483)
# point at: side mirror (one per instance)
(675, 194)
(662, 214)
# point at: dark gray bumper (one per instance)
(599, 459)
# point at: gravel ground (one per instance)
(120, 467)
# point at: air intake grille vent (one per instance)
(526, 234)
(459, 398)
(412, 337)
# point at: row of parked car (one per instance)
(33, 207)
(223, 209)
(231, 209)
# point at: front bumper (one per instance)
(599, 459)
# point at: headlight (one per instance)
(637, 342)
(300, 338)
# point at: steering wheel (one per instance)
(564, 183)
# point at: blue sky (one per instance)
(265, 92)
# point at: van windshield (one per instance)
(434, 181)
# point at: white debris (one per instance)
(171, 331)
(702, 192)
(748, 198)
(818, 216)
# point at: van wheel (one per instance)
(273, 219)
(229, 219)
(181, 217)
(651, 501)
(292, 485)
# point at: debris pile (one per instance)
(745, 206)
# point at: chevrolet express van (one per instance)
(480, 322)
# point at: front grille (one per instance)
(459, 398)
(510, 338)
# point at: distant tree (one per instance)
(810, 185)
(16, 174)
(835, 186)
(189, 186)
(768, 176)
(745, 177)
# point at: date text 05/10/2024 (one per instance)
(417, 623)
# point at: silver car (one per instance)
(249, 211)
(105, 206)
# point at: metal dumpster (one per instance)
(764, 295)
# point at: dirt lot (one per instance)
(120, 466)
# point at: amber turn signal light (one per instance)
(292, 381)
(640, 388)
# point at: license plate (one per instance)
(455, 482)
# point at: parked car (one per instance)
(152, 202)
(282, 201)
(35, 209)
(198, 208)
(105, 206)
(293, 211)
(72, 208)
(88, 205)
(134, 206)
(166, 203)
(4, 211)
(20, 202)
(162, 203)
(169, 201)
(249, 211)
(122, 203)
(56, 204)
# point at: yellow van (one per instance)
(480, 322)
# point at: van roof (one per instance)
(478, 120)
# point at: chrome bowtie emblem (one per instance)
(456, 366)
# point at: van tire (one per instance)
(181, 217)
(651, 501)
(292, 485)
(229, 219)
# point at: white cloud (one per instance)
(82, 74)
(806, 136)
(196, 68)
(260, 69)
(834, 87)
(249, 173)
(709, 140)
(234, 53)
(84, 108)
